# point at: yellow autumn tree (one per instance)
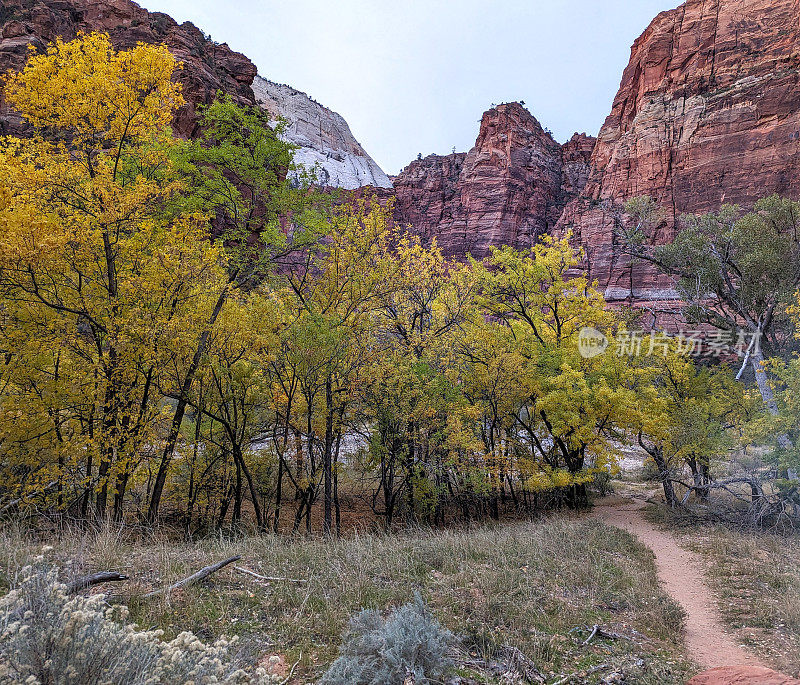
(575, 407)
(418, 319)
(335, 293)
(102, 275)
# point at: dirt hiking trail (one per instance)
(680, 572)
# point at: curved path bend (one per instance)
(680, 571)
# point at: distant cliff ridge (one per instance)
(325, 140)
(508, 190)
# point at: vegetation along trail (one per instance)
(680, 571)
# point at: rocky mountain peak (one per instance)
(323, 136)
(508, 189)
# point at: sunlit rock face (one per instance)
(708, 112)
(325, 141)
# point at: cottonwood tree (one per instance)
(734, 271)
(335, 292)
(575, 407)
(418, 317)
(690, 416)
(97, 256)
(237, 171)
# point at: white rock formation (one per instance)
(325, 140)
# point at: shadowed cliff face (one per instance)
(208, 67)
(323, 136)
(509, 189)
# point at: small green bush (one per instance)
(48, 637)
(409, 643)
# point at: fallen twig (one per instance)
(291, 672)
(94, 579)
(565, 679)
(276, 579)
(202, 573)
(594, 632)
(597, 631)
(521, 664)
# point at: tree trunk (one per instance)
(180, 408)
(237, 496)
(237, 455)
(223, 510)
(119, 495)
(764, 387)
(663, 473)
(278, 497)
(336, 505)
(327, 459)
(410, 462)
(700, 478)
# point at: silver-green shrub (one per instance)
(408, 645)
(50, 638)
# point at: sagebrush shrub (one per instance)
(408, 643)
(50, 638)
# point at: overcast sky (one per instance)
(415, 76)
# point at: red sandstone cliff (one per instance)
(509, 189)
(708, 112)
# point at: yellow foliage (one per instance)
(96, 96)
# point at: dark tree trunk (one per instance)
(237, 496)
(327, 459)
(665, 476)
(336, 505)
(278, 497)
(119, 496)
(223, 510)
(180, 408)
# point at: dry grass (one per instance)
(535, 586)
(756, 579)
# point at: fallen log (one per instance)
(194, 578)
(94, 579)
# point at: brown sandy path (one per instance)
(680, 572)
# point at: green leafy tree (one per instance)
(734, 271)
(237, 172)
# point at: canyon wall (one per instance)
(323, 136)
(208, 66)
(508, 190)
(708, 112)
